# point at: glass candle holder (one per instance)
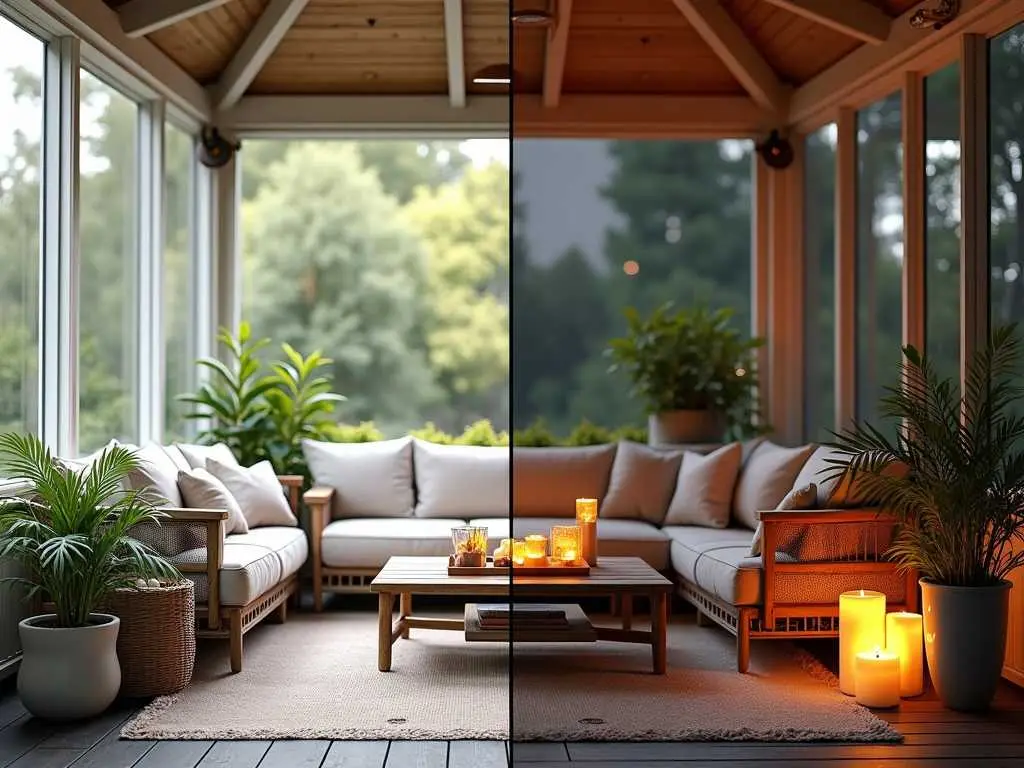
(586, 510)
(536, 550)
(566, 544)
(518, 552)
(586, 519)
(469, 543)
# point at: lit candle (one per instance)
(904, 636)
(877, 678)
(565, 543)
(586, 519)
(518, 552)
(861, 628)
(536, 550)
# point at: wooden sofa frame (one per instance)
(231, 622)
(776, 620)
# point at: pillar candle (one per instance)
(861, 629)
(904, 636)
(586, 519)
(877, 678)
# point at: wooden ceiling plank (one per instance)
(454, 53)
(142, 17)
(268, 31)
(713, 23)
(856, 18)
(554, 54)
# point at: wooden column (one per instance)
(914, 207)
(846, 267)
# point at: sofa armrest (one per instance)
(319, 501)
(193, 515)
(293, 485)
(809, 516)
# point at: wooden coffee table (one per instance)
(621, 578)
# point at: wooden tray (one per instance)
(491, 570)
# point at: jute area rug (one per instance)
(316, 678)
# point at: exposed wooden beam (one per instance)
(268, 31)
(141, 17)
(641, 117)
(713, 23)
(554, 53)
(453, 37)
(856, 18)
(369, 116)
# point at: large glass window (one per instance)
(1006, 140)
(942, 233)
(602, 225)
(819, 283)
(21, 128)
(108, 302)
(391, 258)
(177, 277)
(879, 252)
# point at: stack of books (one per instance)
(523, 616)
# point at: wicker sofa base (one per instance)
(235, 621)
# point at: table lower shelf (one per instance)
(579, 630)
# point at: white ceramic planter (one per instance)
(68, 673)
(680, 427)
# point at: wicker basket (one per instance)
(157, 642)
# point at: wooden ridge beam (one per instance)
(141, 17)
(714, 24)
(454, 54)
(554, 53)
(856, 18)
(269, 30)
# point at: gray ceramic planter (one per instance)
(680, 427)
(965, 641)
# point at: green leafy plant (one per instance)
(634, 434)
(430, 433)
(71, 531)
(260, 415)
(586, 433)
(961, 498)
(537, 435)
(482, 433)
(364, 432)
(690, 359)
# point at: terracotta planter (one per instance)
(965, 641)
(68, 673)
(677, 427)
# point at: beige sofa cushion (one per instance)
(460, 480)
(547, 481)
(803, 497)
(766, 478)
(157, 472)
(838, 492)
(717, 561)
(369, 479)
(253, 563)
(704, 488)
(369, 542)
(641, 484)
(201, 490)
(196, 455)
(257, 490)
(615, 538)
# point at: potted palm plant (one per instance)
(959, 503)
(695, 372)
(70, 533)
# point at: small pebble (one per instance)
(154, 582)
(140, 583)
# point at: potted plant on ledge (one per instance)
(959, 503)
(694, 371)
(71, 533)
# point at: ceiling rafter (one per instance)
(454, 52)
(257, 47)
(856, 18)
(554, 53)
(142, 17)
(724, 36)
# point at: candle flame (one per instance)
(878, 652)
(862, 593)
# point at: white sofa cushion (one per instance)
(704, 488)
(286, 542)
(641, 484)
(257, 491)
(717, 561)
(766, 478)
(196, 455)
(547, 481)
(460, 480)
(176, 456)
(157, 472)
(369, 479)
(615, 538)
(369, 542)
(201, 490)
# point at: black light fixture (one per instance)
(776, 151)
(494, 74)
(936, 17)
(213, 149)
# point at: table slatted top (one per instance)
(429, 575)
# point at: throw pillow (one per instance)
(157, 472)
(369, 479)
(177, 457)
(703, 491)
(641, 483)
(201, 490)
(803, 497)
(842, 490)
(196, 455)
(765, 480)
(257, 491)
(461, 480)
(547, 481)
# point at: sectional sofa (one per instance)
(707, 520)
